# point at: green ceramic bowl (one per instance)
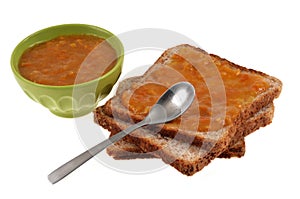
(72, 100)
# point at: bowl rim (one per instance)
(116, 66)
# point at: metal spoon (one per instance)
(173, 103)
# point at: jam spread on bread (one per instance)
(208, 75)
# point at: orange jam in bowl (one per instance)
(61, 60)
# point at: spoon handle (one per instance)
(76, 162)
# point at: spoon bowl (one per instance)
(173, 103)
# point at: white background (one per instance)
(263, 35)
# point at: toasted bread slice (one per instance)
(197, 124)
(186, 158)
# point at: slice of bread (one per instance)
(117, 108)
(245, 92)
(186, 158)
(123, 150)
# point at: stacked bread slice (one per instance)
(231, 102)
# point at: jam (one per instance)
(67, 60)
(221, 90)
